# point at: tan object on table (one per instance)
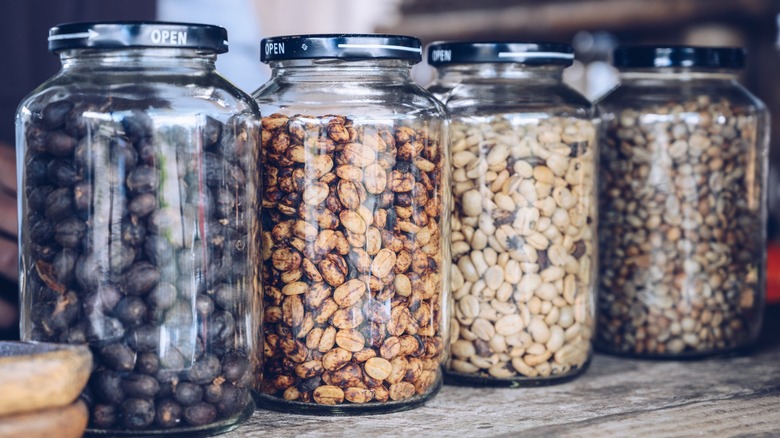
(38, 376)
(61, 422)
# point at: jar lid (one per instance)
(678, 56)
(125, 34)
(341, 46)
(529, 53)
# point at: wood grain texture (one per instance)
(615, 397)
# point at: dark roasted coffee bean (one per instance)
(63, 264)
(133, 232)
(162, 296)
(118, 357)
(224, 201)
(42, 231)
(168, 413)
(121, 258)
(75, 335)
(143, 179)
(200, 414)
(104, 330)
(62, 173)
(147, 363)
(82, 196)
(144, 338)
(204, 306)
(77, 123)
(36, 138)
(232, 401)
(310, 384)
(138, 125)
(123, 153)
(59, 143)
(221, 327)
(54, 114)
(221, 173)
(180, 314)
(137, 413)
(226, 297)
(142, 205)
(101, 302)
(59, 204)
(187, 393)
(211, 131)
(140, 386)
(140, 278)
(103, 416)
(107, 387)
(171, 359)
(204, 370)
(131, 311)
(235, 366)
(158, 249)
(36, 200)
(70, 232)
(88, 272)
(212, 393)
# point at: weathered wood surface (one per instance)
(615, 397)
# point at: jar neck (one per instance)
(639, 75)
(551, 74)
(147, 59)
(319, 70)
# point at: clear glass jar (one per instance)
(524, 218)
(355, 226)
(683, 205)
(137, 194)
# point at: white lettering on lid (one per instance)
(441, 55)
(274, 48)
(168, 37)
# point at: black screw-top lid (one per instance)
(678, 56)
(124, 34)
(341, 46)
(529, 53)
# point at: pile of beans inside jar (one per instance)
(523, 246)
(682, 232)
(352, 256)
(137, 247)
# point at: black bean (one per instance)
(143, 179)
(204, 306)
(131, 311)
(103, 416)
(137, 413)
(204, 370)
(142, 205)
(140, 278)
(107, 387)
(226, 296)
(168, 413)
(118, 357)
(140, 386)
(232, 401)
(144, 338)
(310, 384)
(200, 414)
(36, 138)
(59, 204)
(70, 232)
(62, 173)
(187, 393)
(60, 144)
(53, 115)
(147, 363)
(235, 367)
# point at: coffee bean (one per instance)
(53, 114)
(168, 413)
(137, 413)
(140, 386)
(206, 369)
(103, 416)
(200, 414)
(187, 393)
(107, 387)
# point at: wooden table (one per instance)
(615, 397)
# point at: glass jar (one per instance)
(524, 217)
(137, 194)
(355, 226)
(683, 205)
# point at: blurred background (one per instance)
(593, 27)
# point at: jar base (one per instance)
(212, 429)
(743, 350)
(265, 401)
(457, 379)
